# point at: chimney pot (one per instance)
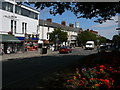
(50, 20)
(63, 23)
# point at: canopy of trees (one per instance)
(101, 10)
(116, 38)
(85, 36)
(58, 36)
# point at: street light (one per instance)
(56, 42)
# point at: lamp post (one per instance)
(56, 42)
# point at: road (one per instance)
(24, 73)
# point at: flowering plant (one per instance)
(95, 77)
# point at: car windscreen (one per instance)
(63, 47)
(88, 44)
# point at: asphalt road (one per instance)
(24, 73)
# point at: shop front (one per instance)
(8, 44)
(29, 44)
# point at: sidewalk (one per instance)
(26, 54)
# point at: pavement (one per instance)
(27, 54)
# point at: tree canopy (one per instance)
(116, 38)
(101, 10)
(85, 36)
(58, 36)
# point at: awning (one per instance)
(8, 38)
(29, 39)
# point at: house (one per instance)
(47, 26)
(20, 21)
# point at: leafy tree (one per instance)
(101, 10)
(116, 38)
(59, 36)
(101, 39)
(86, 36)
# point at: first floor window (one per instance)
(15, 24)
(11, 25)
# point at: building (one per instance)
(20, 21)
(47, 26)
(94, 32)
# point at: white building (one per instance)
(18, 20)
(47, 26)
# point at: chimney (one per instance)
(80, 29)
(63, 23)
(88, 30)
(50, 20)
(71, 25)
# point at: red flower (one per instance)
(91, 78)
(98, 72)
(106, 80)
(101, 70)
(101, 79)
(102, 66)
(83, 78)
(97, 85)
(82, 81)
(70, 80)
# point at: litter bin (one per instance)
(44, 50)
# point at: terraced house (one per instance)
(47, 26)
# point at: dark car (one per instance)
(65, 49)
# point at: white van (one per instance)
(89, 45)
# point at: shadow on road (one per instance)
(25, 73)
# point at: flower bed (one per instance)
(101, 76)
(98, 71)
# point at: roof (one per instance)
(8, 38)
(56, 25)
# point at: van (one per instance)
(89, 45)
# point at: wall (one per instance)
(5, 21)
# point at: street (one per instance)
(26, 72)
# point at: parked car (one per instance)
(65, 49)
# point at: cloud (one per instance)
(108, 23)
(108, 33)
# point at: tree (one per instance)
(59, 36)
(85, 36)
(101, 39)
(116, 38)
(101, 10)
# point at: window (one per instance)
(7, 6)
(0, 5)
(11, 25)
(18, 9)
(24, 12)
(24, 27)
(3, 5)
(48, 29)
(47, 36)
(15, 23)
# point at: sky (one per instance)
(106, 29)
